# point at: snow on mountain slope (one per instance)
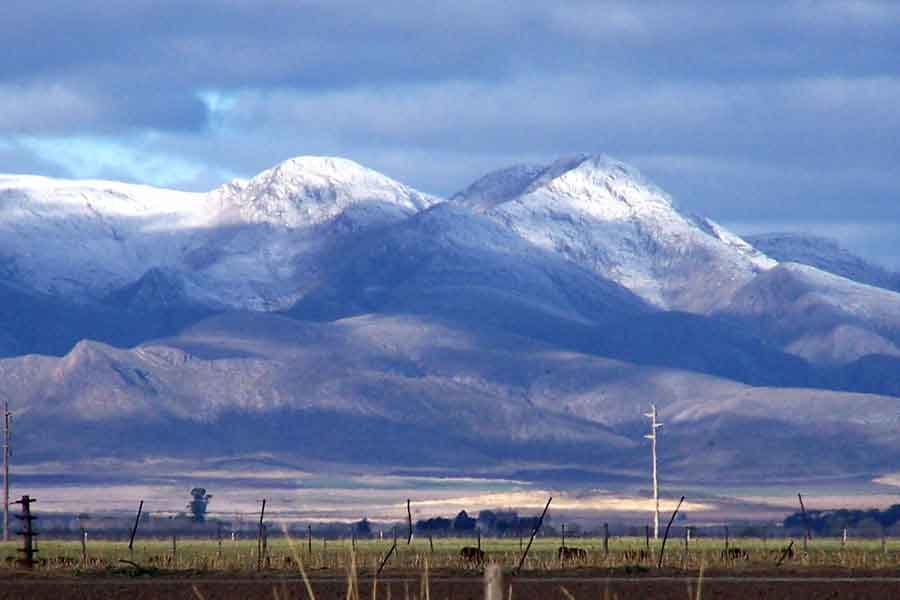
(604, 215)
(824, 254)
(447, 260)
(497, 187)
(818, 315)
(276, 233)
(86, 238)
(311, 190)
(248, 244)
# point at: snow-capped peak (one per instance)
(589, 178)
(601, 184)
(88, 239)
(604, 215)
(309, 190)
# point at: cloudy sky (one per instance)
(763, 115)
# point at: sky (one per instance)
(765, 116)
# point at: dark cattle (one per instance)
(566, 553)
(735, 554)
(472, 555)
(637, 555)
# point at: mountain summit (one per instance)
(310, 190)
(603, 214)
(243, 245)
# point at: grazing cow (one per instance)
(637, 555)
(472, 555)
(735, 554)
(566, 553)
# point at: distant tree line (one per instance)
(832, 522)
(489, 522)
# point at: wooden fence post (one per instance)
(386, 558)
(265, 545)
(137, 520)
(259, 536)
(808, 534)
(28, 534)
(533, 534)
(606, 539)
(409, 523)
(662, 549)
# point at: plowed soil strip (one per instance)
(458, 588)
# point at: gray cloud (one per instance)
(52, 108)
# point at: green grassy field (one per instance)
(335, 555)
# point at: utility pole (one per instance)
(7, 420)
(652, 437)
(27, 532)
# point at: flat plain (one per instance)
(332, 569)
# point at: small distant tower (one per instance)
(652, 437)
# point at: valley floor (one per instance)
(204, 570)
(329, 493)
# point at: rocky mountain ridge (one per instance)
(531, 317)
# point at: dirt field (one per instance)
(818, 585)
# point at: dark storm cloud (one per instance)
(745, 111)
(125, 62)
(340, 43)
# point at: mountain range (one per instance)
(321, 310)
